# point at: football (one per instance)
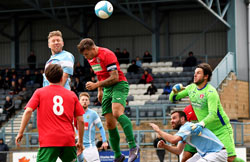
(103, 9)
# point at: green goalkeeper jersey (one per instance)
(206, 104)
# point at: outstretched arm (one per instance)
(25, 119)
(168, 137)
(173, 149)
(175, 96)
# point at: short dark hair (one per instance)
(54, 73)
(181, 114)
(86, 43)
(190, 53)
(207, 70)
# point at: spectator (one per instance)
(133, 68)
(146, 78)
(190, 61)
(41, 77)
(3, 147)
(8, 106)
(79, 70)
(1, 81)
(27, 78)
(97, 103)
(118, 54)
(38, 78)
(13, 78)
(6, 73)
(13, 72)
(93, 79)
(167, 89)
(13, 88)
(89, 73)
(127, 110)
(23, 94)
(138, 61)
(147, 57)
(151, 90)
(160, 152)
(6, 83)
(124, 57)
(32, 60)
(20, 84)
(78, 86)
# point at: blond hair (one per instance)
(55, 33)
(84, 94)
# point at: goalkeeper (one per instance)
(207, 107)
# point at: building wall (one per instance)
(234, 97)
(241, 40)
(185, 34)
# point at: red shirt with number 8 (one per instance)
(56, 108)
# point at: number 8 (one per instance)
(58, 104)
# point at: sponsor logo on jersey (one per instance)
(96, 67)
(202, 96)
(86, 125)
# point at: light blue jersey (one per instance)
(66, 60)
(91, 120)
(205, 143)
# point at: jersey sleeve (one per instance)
(184, 132)
(99, 124)
(68, 64)
(96, 118)
(34, 101)
(110, 62)
(213, 100)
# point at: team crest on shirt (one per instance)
(202, 96)
(98, 59)
(88, 117)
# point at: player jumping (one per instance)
(112, 93)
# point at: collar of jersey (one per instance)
(201, 88)
(57, 53)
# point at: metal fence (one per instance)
(223, 69)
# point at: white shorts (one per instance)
(90, 154)
(220, 156)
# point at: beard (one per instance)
(199, 82)
(85, 107)
(177, 126)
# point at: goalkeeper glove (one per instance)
(177, 88)
(197, 128)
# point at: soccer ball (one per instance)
(103, 9)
